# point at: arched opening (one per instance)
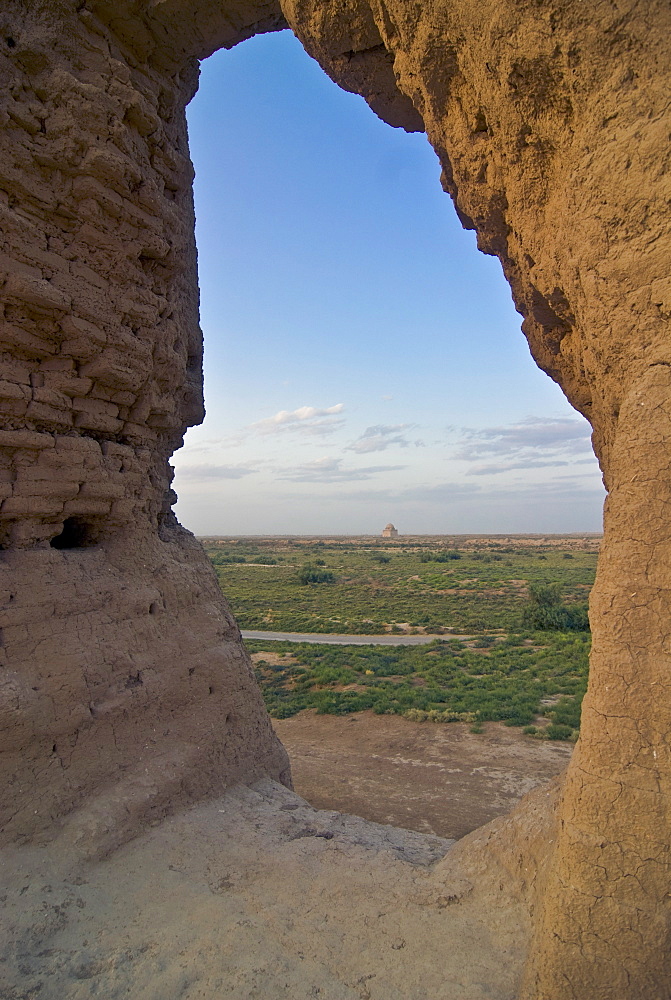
(551, 126)
(362, 360)
(335, 276)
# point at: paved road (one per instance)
(350, 640)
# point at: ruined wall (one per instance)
(551, 121)
(121, 662)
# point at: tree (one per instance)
(546, 612)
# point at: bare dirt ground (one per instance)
(435, 779)
(257, 896)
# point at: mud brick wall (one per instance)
(101, 348)
(125, 689)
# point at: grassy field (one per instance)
(380, 586)
(481, 587)
(537, 682)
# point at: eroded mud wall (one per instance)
(125, 687)
(551, 123)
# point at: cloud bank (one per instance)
(330, 470)
(305, 420)
(534, 443)
(382, 436)
(205, 471)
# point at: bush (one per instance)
(312, 574)
(555, 731)
(566, 712)
(546, 612)
(439, 557)
(435, 715)
(484, 642)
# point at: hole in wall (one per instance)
(361, 353)
(77, 533)
(364, 361)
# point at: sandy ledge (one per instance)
(258, 895)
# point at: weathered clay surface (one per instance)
(124, 681)
(274, 899)
(552, 123)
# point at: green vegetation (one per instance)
(516, 680)
(312, 574)
(431, 586)
(441, 557)
(547, 612)
(524, 607)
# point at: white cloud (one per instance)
(200, 472)
(528, 463)
(306, 420)
(382, 436)
(330, 470)
(534, 443)
(439, 493)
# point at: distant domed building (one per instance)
(390, 531)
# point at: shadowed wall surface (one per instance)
(124, 670)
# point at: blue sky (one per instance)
(363, 361)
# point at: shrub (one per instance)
(436, 715)
(440, 557)
(555, 731)
(546, 612)
(566, 712)
(312, 574)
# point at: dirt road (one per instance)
(349, 640)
